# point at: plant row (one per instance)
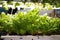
(29, 23)
(26, 5)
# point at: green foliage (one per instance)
(6, 22)
(48, 6)
(25, 22)
(31, 23)
(52, 2)
(5, 5)
(16, 4)
(28, 4)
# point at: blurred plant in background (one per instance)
(5, 5)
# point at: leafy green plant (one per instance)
(24, 22)
(31, 18)
(31, 23)
(47, 24)
(7, 22)
(18, 23)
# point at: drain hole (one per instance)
(21, 38)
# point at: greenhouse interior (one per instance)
(29, 19)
